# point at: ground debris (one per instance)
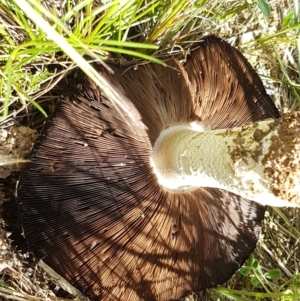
(15, 146)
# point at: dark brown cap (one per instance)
(90, 203)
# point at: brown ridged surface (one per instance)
(91, 206)
(226, 89)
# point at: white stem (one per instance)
(259, 161)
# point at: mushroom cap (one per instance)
(90, 203)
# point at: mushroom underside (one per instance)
(91, 206)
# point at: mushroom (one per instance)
(93, 200)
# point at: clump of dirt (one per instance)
(283, 159)
(15, 145)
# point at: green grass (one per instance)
(268, 284)
(127, 32)
(39, 45)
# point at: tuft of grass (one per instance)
(118, 30)
(42, 41)
(267, 284)
(282, 42)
